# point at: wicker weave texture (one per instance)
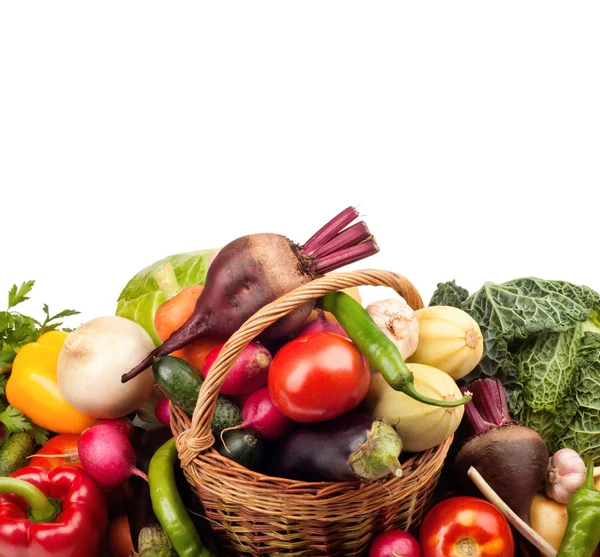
(254, 514)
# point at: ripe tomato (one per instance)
(318, 377)
(466, 527)
(65, 442)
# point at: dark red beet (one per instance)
(511, 458)
(255, 270)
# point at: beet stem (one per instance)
(490, 399)
(349, 237)
(327, 232)
(345, 257)
(473, 417)
(523, 528)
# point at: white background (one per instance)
(468, 133)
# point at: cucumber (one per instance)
(180, 383)
(244, 446)
(14, 453)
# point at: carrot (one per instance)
(175, 311)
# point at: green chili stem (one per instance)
(41, 508)
(409, 389)
(383, 355)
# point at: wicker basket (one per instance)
(254, 514)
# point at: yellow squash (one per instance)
(420, 426)
(449, 339)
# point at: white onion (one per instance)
(92, 361)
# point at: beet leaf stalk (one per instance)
(255, 270)
(512, 458)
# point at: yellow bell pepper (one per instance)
(33, 387)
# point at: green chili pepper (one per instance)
(380, 351)
(168, 506)
(583, 527)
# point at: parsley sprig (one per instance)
(16, 330)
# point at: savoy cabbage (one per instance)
(542, 340)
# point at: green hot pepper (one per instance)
(168, 506)
(380, 351)
(583, 527)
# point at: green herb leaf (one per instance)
(15, 421)
(40, 434)
(17, 296)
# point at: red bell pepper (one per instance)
(51, 513)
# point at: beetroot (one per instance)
(511, 458)
(249, 372)
(257, 269)
(395, 543)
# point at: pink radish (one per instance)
(249, 372)
(162, 411)
(394, 543)
(260, 414)
(107, 455)
(321, 324)
(256, 269)
(123, 425)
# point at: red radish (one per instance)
(260, 414)
(162, 411)
(321, 324)
(107, 455)
(249, 372)
(254, 270)
(395, 543)
(123, 425)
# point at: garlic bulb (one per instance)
(398, 321)
(566, 473)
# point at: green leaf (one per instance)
(17, 296)
(141, 296)
(547, 366)
(14, 421)
(515, 310)
(40, 435)
(449, 294)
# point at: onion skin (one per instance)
(92, 360)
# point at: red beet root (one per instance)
(255, 270)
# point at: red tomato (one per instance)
(318, 377)
(65, 442)
(466, 527)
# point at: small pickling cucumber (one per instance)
(180, 383)
(14, 453)
(244, 446)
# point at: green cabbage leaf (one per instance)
(141, 296)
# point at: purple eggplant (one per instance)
(351, 447)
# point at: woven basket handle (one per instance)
(199, 437)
